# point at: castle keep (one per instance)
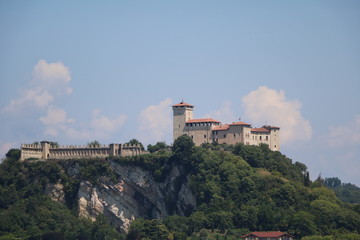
(45, 150)
(210, 130)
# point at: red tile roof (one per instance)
(260, 130)
(267, 234)
(221, 128)
(205, 120)
(182, 104)
(240, 123)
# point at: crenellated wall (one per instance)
(46, 151)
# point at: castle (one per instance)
(200, 130)
(210, 130)
(45, 150)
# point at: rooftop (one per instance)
(182, 104)
(267, 234)
(204, 120)
(260, 130)
(221, 128)
(240, 123)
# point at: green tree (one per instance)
(302, 224)
(148, 229)
(94, 143)
(183, 148)
(13, 154)
(136, 142)
(157, 147)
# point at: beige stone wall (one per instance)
(260, 137)
(199, 134)
(235, 134)
(275, 139)
(45, 151)
(30, 151)
(75, 152)
(181, 114)
(131, 150)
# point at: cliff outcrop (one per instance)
(134, 194)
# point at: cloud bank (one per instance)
(224, 114)
(49, 80)
(155, 122)
(347, 134)
(265, 105)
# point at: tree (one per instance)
(13, 154)
(332, 182)
(94, 143)
(302, 223)
(183, 148)
(148, 229)
(56, 144)
(158, 146)
(136, 142)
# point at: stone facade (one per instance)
(210, 130)
(45, 151)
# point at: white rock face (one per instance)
(55, 192)
(136, 194)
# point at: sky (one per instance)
(78, 71)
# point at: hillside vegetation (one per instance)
(238, 189)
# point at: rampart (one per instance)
(45, 150)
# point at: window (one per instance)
(192, 136)
(224, 135)
(234, 135)
(260, 138)
(204, 135)
(267, 138)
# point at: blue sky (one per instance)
(76, 71)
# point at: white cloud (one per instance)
(50, 75)
(100, 126)
(155, 122)
(105, 123)
(346, 134)
(224, 114)
(269, 106)
(55, 116)
(50, 80)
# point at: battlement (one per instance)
(45, 151)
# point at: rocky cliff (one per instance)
(134, 194)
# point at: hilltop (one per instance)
(227, 189)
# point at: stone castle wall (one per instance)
(45, 151)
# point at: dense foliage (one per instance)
(27, 213)
(347, 192)
(238, 189)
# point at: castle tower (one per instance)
(45, 146)
(182, 112)
(274, 137)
